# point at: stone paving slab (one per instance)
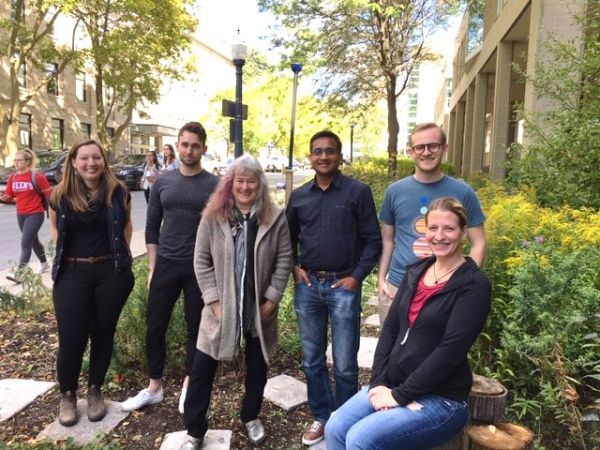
(366, 352)
(214, 440)
(85, 431)
(286, 392)
(318, 446)
(16, 394)
(373, 301)
(373, 321)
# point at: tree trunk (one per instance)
(457, 443)
(393, 126)
(487, 400)
(502, 436)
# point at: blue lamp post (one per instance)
(296, 68)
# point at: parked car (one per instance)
(278, 163)
(130, 169)
(223, 166)
(49, 162)
(210, 163)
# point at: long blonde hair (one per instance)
(73, 189)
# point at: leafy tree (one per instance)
(26, 41)
(268, 94)
(135, 46)
(562, 161)
(363, 51)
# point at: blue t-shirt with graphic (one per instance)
(404, 207)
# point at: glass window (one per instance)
(52, 75)
(86, 130)
(25, 131)
(475, 26)
(110, 131)
(58, 134)
(80, 87)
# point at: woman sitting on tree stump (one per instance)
(421, 378)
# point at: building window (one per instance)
(52, 75)
(475, 27)
(80, 87)
(22, 72)
(108, 95)
(110, 131)
(58, 134)
(86, 130)
(25, 131)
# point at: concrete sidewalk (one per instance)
(138, 248)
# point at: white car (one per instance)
(210, 163)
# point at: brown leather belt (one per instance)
(326, 275)
(90, 260)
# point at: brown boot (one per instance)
(67, 415)
(96, 409)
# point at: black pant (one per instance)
(168, 280)
(88, 299)
(147, 195)
(202, 376)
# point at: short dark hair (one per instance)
(196, 128)
(428, 126)
(327, 134)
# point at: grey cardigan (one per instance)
(214, 267)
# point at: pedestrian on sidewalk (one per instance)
(421, 377)
(170, 161)
(174, 211)
(31, 191)
(90, 223)
(151, 171)
(405, 205)
(336, 242)
(242, 260)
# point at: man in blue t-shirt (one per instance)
(405, 205)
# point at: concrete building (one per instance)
(495, 37)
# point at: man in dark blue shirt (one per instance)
(336, 243)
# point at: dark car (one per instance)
(130, 169)
(49, 162)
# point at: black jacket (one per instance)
(433, 357)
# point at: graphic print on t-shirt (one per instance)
(420, 247)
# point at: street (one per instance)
(11, 242)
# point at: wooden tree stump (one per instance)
(457, 443)
(487, 400)
(502, 436)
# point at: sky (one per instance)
(222, 19)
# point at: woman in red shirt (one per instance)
(30, 210)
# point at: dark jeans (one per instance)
(170, 277)
(30, 224)
(88, 299)
(202, 376)
(147, 195)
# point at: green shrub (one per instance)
(129, 355)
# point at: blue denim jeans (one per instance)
(315, 306)
(356, 425)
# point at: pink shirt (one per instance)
(422, 294)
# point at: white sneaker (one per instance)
(44, 267)
(143, 398)
(190, 443)
(12, 276)
(182, 399)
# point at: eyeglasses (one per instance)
(433, 147)
(329, 151)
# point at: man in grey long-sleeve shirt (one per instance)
(176, 202)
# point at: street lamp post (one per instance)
(289, 173)
(351, 143)
(238, 53)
